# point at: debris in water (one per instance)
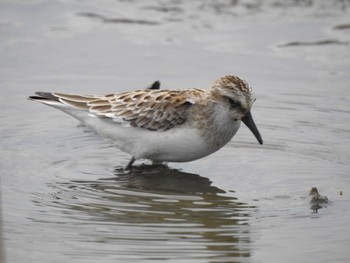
(317, 201)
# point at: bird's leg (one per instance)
(128, 166)
(160, 163)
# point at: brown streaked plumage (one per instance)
(164, 125)
(150, 109)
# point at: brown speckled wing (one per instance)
(149, 109)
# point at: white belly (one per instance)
(181, 144)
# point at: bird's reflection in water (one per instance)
(162, 178)
(162, 206)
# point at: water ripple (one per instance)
(147, 208)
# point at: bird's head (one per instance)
(237, 97)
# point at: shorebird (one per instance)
(164, 125)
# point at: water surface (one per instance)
(64, 196)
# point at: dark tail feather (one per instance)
(44, 96)
(155, 85)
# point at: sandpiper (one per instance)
(164, 125)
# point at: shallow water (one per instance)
(64, 195)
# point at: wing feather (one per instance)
(152, 109)
(148, 109)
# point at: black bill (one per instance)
(248, 120)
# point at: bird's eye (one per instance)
(233, 104)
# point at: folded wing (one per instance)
(148, 109)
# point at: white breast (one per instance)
(180, 144)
